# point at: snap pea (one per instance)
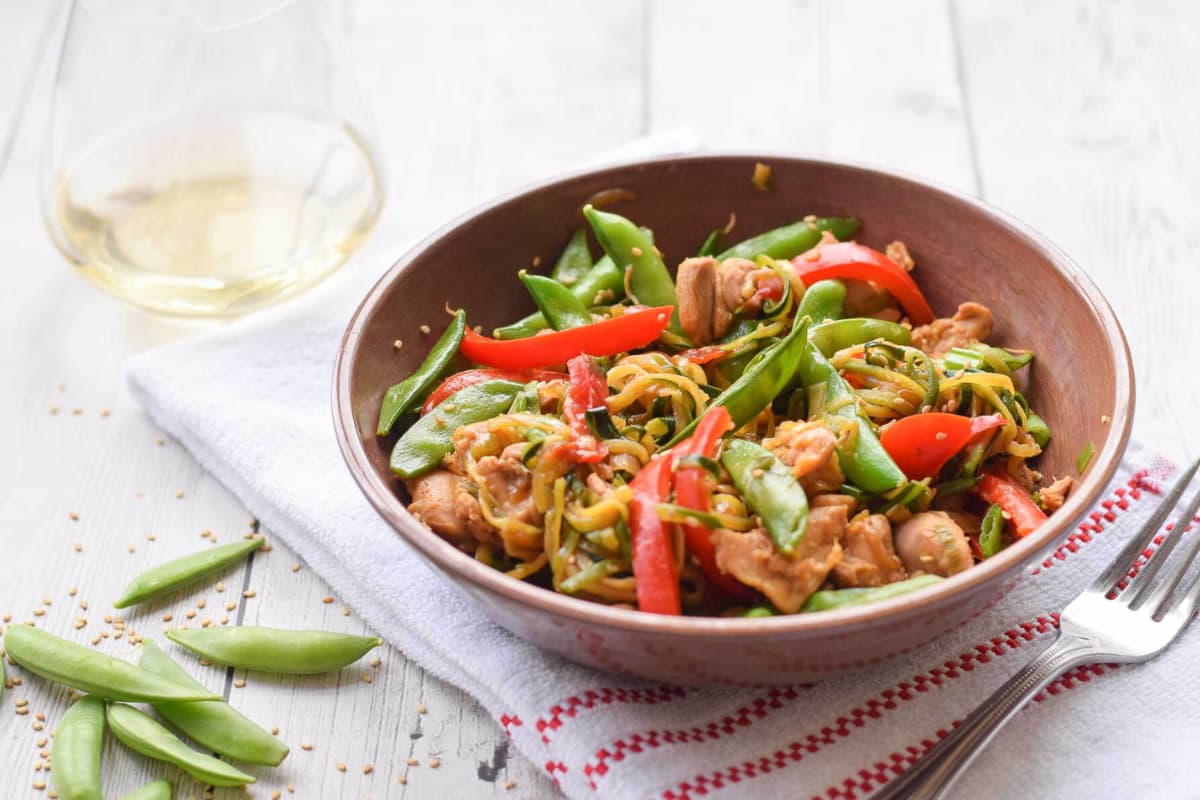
(214, 724)
(144, 735)
(78, 739)
(423, 446)
(758, 611)
(838, 334)
(76, 666)
(182, 571)
(770, 491)
(561, 308)
(709, 248)
(575, 260)
(987, 358)
(763, 379)
(276, 650)
(792, 240)
(823, 301)
(828, 599)
(991, 531)
(864, 460)
(603, 283)
(1037, 428)
(626, 245)
(404, 395)
(157, 790)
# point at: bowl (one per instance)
(1081, 382)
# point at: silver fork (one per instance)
(1103, 624)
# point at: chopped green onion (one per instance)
(1085, 457)
(759, 611)
(588, 575)
(600, 422)
(990, 532)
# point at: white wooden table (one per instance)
(1080, 118)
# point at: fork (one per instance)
(1107, 623)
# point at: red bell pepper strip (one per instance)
(704, 355)
(653, 563)
(605, 338)
(858, 262)
(692, 492)
(923, 443)
(470, 377)
(588, 388)
(1016, 503)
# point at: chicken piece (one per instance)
(440, 500)
(787, 581)
(971, 323)
(820, 500)
(1028, 477)
(898, 251)
(868, 555)
(702, 315)
(865, 299)
(509, 483)
(1054, 495)
(736, 282)
(932, 542)
(809, 449)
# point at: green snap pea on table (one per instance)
(829, 337)
(823, 301)
(628, 246)
(603, 283)
(575, 260)
(770, 491)
(88, 671)
(78, 739)
(828, 599)
(561, 308)
(422, 446)
(144, 735)
(213, 724)
(158, 790)
(275, 650)
(404, 395)
(182, 571)
(792, 240)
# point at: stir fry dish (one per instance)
(784, 426)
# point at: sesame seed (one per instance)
(220, 587)
(249, 593)
(202, 602)
(537, 261)
(230, 606)
(39, 785)
(274, 730)
(326, 599)
(412, 762)
(179, 494)
(83, 605)
(104, 412)
(239, 684)
(421, 709)
(509, 785)
(159, 441)
(24, 701)
(191, 613)
(150, 537)
(131, 549)
(425, 329)
(295, 567)
(435, 763)
(368, 769)
(37, 726)
(345, 612)
(168, 617)
(204, 662)
(636, 251)
(397, 344)
(375, 663)
(78, 547)
(224, 619)
(53, 409)
(366, 678)
(21, 711)
(275, 795)
(74, 515)
(76, 411)
(401, 779)
(39, 612)
(340, 766)
(306, 746)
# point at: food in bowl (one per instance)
(783, 427)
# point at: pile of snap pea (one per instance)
(109, 685)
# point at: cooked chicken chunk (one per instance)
(440, 499)
(932, 542)
(898, 251)
(508, 481)
(868, 556)
(787, 581)
(971, 323)
(1054, 495)
(702, 315)
(810, 450)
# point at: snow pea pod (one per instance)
(1036, 427)
(709, 248)
(404, 395)
(275, 650)
(182, 571)
(76, 666)
(823, 301)
(157, 790)
(602, 284)
(575, 260)
(792, 240)
(561, 308)
(214, 724)
(78, 739)
(144, 735)
(828, 599)
(838, 334)
(628, 246)
(770, 491)
(422, 446)
(763, 379)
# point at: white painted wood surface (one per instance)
(1078, 118)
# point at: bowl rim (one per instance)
(382, 496)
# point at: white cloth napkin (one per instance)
(252, 404)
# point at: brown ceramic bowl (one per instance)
(1081, 382)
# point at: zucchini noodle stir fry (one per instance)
(783, 426)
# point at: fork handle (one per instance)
(934, 773)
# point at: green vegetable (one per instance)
(759, 611)
(600, 422)
(404, 395)
(561, 308)
(156, 790)
(422, 446)
(78, 739)
(80, 668)
(823, 301)
(182, 571)
(602, 284)
(711, 243)
(274, 650)
(213, 724)
(829, 599)
(770, 491)
(628, 246)
(991, 530)
(575, 260)
(1038, 430)
(792, 240)
(987, 358)
(1085, 457)
(863, 459)
(763, 379)
(829, 337)
(142, 734)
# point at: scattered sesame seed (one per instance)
(202, 602)
(397, 344)
(131, 549)
(368, 769)
(375, 663)
(295, 567)
(306, 746)
(74, 590)
(191, 613)
(366, 678)
(340, 766)
(53, 409)
(39, 612)
(249, 593)
(230, 606)
(421, 709)
(37, 726)
(220, 587)
(76, 411)
(425, 329)
(435, 763)
(39, 785)
(326, 599)
(636, 251)
(95, 640)
(179, 494)
(83, 605)
(78, 547)
(412, 762)
(204, 662)
(401, 779)
(104, 412)
(224, 619)
(275, 795)
(150, 537)
(74, 515)
(274, 730)
(159, 441)
(509, 785)
(239, 684)
(24, 701)
(22, 711)
(291, 789)
(345, 612)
